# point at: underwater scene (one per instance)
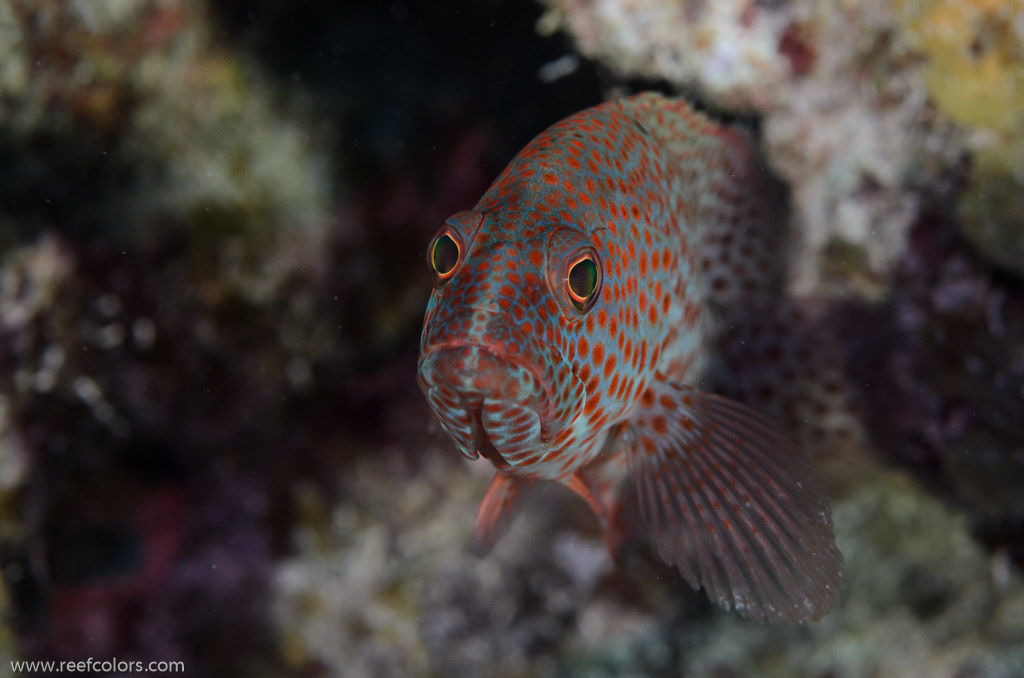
(512, 338)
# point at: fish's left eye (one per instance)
(581, 280)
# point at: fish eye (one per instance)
(443, 256)
(582, 280)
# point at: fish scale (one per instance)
(575, 314)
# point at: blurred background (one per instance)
(212, 281)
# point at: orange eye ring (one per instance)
(582, 280)
(444, 256)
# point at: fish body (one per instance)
(573, 322)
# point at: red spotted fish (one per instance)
(575, 315)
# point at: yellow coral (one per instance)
(975, 75)
(975, 52)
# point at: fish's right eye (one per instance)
(443, 256)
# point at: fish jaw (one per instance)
(488, 403)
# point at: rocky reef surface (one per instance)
(212, 447)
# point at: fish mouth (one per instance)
(490, 404)
(478, 372)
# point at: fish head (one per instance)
(492, 359)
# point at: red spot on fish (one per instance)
(609, 366)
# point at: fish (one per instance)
(574, 319)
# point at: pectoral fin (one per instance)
(733, 505)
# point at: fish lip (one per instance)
(485, 446)
(500, 355)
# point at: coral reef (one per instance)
(941, 372)
(975, 75)
(212, 447)
(141, 95)
(973, 57)
(132, 492)
(382, 584)
(164, 225)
